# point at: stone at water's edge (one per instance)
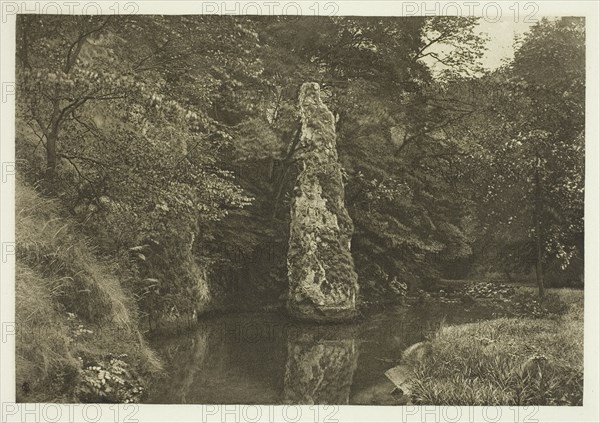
(401, 375)
(417, 352)
(322, 282)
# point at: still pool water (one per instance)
(260, 358)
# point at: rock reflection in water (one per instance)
(320, 365)
(257, 358)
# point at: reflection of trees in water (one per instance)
(320, 367)
(181, 376)
(224, 361)
(196, 353)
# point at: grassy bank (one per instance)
(77, 336)
(508, 361)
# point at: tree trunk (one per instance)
(51, 159)
(539, 271)
(537, 216)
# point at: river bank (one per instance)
(509, 360)
(260, 358)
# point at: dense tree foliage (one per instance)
(174, 138)
(532, 139)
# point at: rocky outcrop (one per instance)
(322, 281)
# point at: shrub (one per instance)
(109, 379)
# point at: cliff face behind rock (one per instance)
(322, 282)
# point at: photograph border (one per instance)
(12, 411)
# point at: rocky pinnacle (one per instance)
(322, 282)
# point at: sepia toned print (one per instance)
(300, 210)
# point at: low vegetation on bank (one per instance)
(526, 360)
(77, 336)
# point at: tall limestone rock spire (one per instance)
(322, 281)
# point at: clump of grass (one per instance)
(51, 245)
(45, 364)
(72, 312)
(508, 361)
